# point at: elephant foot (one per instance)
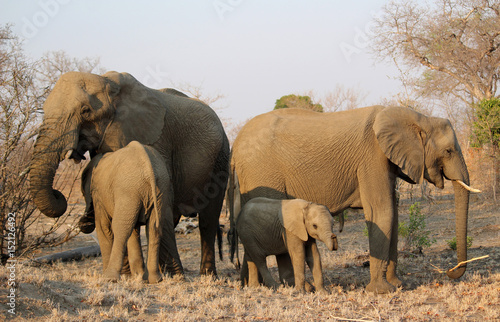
(154, 278)
(309, 287)
(274, 286)
(322, 291)
(112, 276)
(380, 287)
(86, 225)
(252, 284)
(174, 272)
(126, 267)
(208, 271)
(395, 281)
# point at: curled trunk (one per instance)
(48, 152)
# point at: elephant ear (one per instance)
(400, 136)
(140, 112)
(292, 217)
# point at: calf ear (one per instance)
(292, 217)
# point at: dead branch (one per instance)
(467, 261)
(439, 270)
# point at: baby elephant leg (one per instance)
(257, 264)
(134, 251)
(153, 268)
(313, 260)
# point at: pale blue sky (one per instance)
(251, 51)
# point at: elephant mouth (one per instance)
(75, 155)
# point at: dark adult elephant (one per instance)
(87, 112)
(351, 160)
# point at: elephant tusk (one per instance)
(68, 154)
(467, 187)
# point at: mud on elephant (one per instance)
(87, 112)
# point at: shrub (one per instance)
(415, 236)
(452, 243)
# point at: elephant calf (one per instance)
(275, 227)
(128, 188)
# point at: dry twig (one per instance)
(460, 264)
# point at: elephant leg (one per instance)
(297, 254)
(122, 225)
(313, 260)
(260, 265)
(244, 271)
(256, 263)
(87, 222)
(392, 277)
(134, 251)
(153, 274)
(105, 237)
(285, 269)
(250, 273)
(209, 223)
(379, 208)
(169, 259)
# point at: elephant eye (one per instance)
(448, 152)
(315, 226)
(86, 110)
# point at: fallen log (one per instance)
(69, 255)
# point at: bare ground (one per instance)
(76, 291)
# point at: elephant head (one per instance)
(87, 112)
(427, 148)
(305, 219)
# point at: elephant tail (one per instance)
(156, 183)
(234, 202)
(219, 241)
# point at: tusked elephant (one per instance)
(88, 112)
(351, 159)
(126, 189)
(275, 227)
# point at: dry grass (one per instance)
(76, 291)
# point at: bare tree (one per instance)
(55, 63)
(343, 99)
(24, 84)
(197, 91)
(454, 42)
(18, 104)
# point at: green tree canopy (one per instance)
(297, 101)
(486, 131)
(486, 127)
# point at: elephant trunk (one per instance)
(331, 242)
(461, 216)
(49, 150)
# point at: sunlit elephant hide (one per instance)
(126, 189)
(351, 159)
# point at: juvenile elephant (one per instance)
(275, 227)
(88, 112)
(129, 188)
(351, 159)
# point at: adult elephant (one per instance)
(351, 159)
(88, 112)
